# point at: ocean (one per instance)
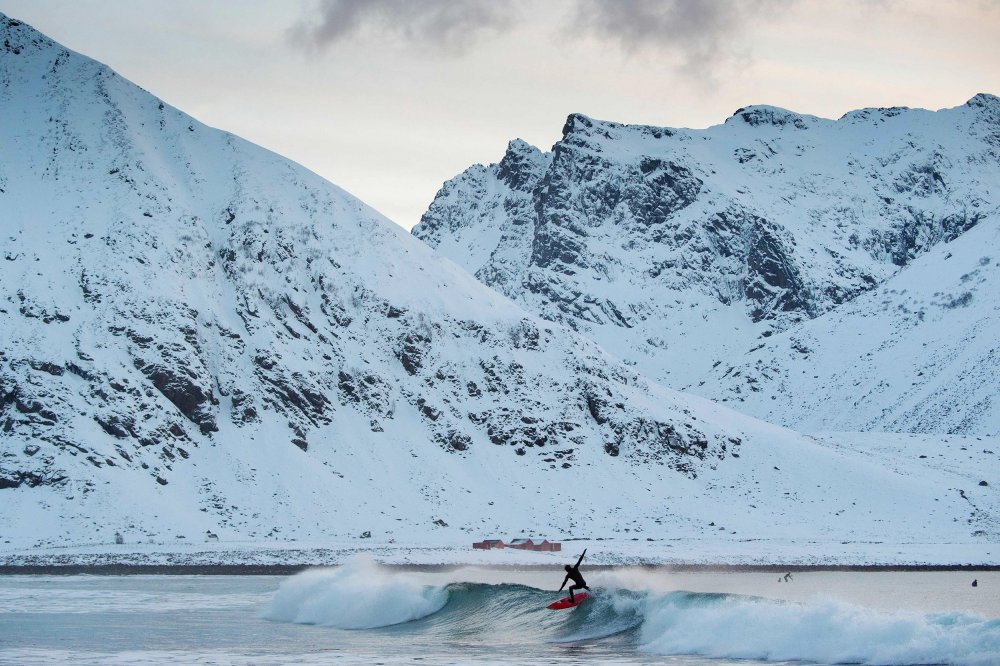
(366, 613)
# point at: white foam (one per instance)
(821, 631)
(359, 595)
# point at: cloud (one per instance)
(449, 26)
(704, 33)
(701, 34)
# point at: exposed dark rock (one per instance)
(454, 441)
(16, 479)
(756, 116)
(116, 426)
(411, 352)
(190, 399)
(427, 410)
(75, 369)
(518, 168)
(525, 335)
(371, 393)
(300, 314)
(50, 368)
(243, 409)
(773, 283)
(595, 406)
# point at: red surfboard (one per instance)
(566, 603)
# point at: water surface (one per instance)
(363, 613)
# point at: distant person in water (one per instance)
(573, 573)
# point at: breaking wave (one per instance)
(359, 595)
(363, 595)
(822, 631)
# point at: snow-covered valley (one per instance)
(204, 340)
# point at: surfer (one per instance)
(573, 572)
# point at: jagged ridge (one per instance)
(680, 250)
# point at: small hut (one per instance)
(488, 544)
(522, 544)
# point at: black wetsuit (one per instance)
(573, 573)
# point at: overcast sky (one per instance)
(390, 98)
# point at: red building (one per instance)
(488, 544)
(527, 544)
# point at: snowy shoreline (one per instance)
(288, 570)
(681, 555)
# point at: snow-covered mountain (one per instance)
(920, 353)
(201, 336)
(681, 250)
(169, 288)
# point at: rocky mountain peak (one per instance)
(644, 238)
(577, 122)
(520, 164)
(984, 101)
(19, 38)
(987, 108)
(873, 115)
(764, 115)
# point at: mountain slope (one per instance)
(918, 354)
(680, 250)
(203, 336)
(172, 287)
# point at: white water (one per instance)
(359, 595)
(822, 631)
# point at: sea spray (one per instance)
(361, 594)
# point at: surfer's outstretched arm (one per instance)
(581, 557)
(565, 580)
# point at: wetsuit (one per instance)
(573, 573)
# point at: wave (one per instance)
(359, 595)
(827, 631)
(363, 595)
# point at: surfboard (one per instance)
(566, 603)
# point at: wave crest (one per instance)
(361, 594)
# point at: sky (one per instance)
(390, 98)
